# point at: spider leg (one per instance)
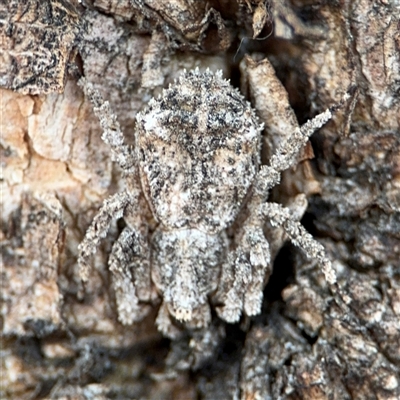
(253, 258)
(112, 208)
(287, 153)
(279, 216)
(242, 279)
(112, 134)
(258, 248)
(229, 297)
(252, 264)
(127, 255)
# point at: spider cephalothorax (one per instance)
(196, 160)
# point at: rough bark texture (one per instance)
(61, 338)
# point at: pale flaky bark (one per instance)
(61, 337)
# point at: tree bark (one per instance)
(61, 338)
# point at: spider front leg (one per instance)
(243, 275)
(129, 253)
(112, 208)
(249, 266)
(261, 268)
(228, 299)
(130, 272)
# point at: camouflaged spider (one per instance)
(196, 160)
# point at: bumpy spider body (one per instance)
(196, 156)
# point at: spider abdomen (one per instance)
(198, 147)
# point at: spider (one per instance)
(196, 160)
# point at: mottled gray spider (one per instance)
(196, 159)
